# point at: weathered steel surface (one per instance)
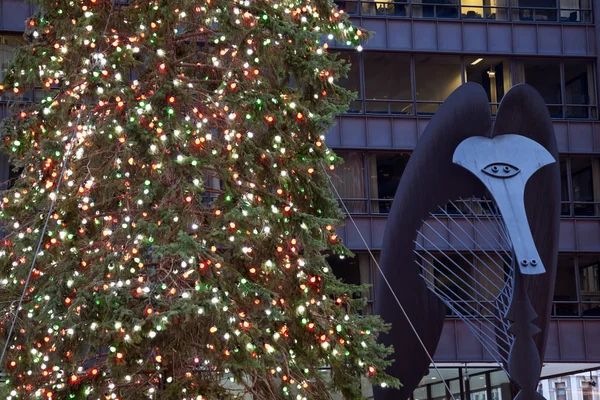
(431, 179)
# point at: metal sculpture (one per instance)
(458, 157)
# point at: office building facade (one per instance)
(421, 50)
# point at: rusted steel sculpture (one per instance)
(461, 156)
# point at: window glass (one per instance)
(349, 180)
(387, 77)
(353, 270)
(436, 78)
(534, 10)
(352, 81)
(575, 10)
(435, 8)
(477, 385)
(480, 9)
(589, 278)
(579, 88)
(492, 74)
(385, 171)
(565, 289)
(585, 173)
(454, 276)
(544, 76)
(564, 187)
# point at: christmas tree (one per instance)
(166, 237)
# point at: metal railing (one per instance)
(452, 9)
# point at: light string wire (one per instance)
(70, 145)
(388, 283)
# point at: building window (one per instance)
(587, 390)
(387, 83)
(589, 285)
(585, 184)
(565, 289)
(561, 390)
(435, 8)
(352, 80)
(355, 271)
(385, 171)
(484, 9)
(544, 76)
(579, 89)
(436, 78)
(384, 84)
(350, 181)
(566, 11)
(492, 74)
(576, 10)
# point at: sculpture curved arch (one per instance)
(430, 180)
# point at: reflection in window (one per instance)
(352, 81)
(589, 285)
(492, 74)
(349, 180)
(579, 89)
(385, 171)
(436, 78)
(585, 175)
(544, 76)
(387, 78)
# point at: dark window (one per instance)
(492, 74)
(435, 8)
(585, 175)
(564, 188)
(353, 270)
(387, 83)
(565, 289)
(385, 171)
(352, 80)
(436, 78)
(579, 89)
(544, 76)
(534, 10)
(453, 282)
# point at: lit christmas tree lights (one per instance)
(174, 178)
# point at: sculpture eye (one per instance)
(501, 170)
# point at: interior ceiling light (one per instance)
(477, 61)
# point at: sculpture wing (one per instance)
(430, 179)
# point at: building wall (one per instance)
(397, 97)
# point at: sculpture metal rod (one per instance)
(501, 227)
(469, 316)
(478, 333)
(456, 264)
(473, 253)
(453, 280)
(484, 225)
(462, 289)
